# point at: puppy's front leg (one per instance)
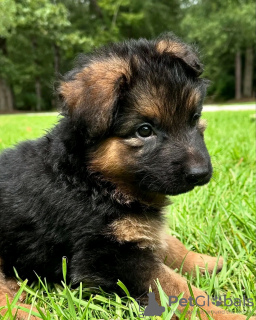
(173, 284)
(175, 255)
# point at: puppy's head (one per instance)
(140, 103)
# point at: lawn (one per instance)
(218, 218)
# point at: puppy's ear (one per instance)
(91, 93)
(173, 46)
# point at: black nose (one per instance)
(197, 174)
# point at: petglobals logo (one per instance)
(202, 301)
(153, 309)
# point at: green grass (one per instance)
(15, 128)
(215, 219)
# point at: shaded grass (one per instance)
(215, 219)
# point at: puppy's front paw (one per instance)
(204, 262)
(211, 263)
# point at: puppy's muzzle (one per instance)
(198, 174)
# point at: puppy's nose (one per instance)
(197, 174)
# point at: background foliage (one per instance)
(40, 38)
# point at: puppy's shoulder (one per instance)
(144, 230)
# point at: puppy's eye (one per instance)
(195, 119)
(145, 131)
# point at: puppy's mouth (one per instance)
(183, 185)
(186, 187)
(180, 190)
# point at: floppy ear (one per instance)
(170, 44)
(93, 91)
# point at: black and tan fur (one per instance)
(94, 188)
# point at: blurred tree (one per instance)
(7, 23)
(42, 35)
(111, 20)
(225, 31)
(34, 48)
(40, 38)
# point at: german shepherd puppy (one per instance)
(93, 189)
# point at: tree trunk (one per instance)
(238, 66)
(38, 89)
(96, 8)
(248, 73)
(6, 97)
(56, 51)
(38, 95)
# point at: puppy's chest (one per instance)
(146, 232)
